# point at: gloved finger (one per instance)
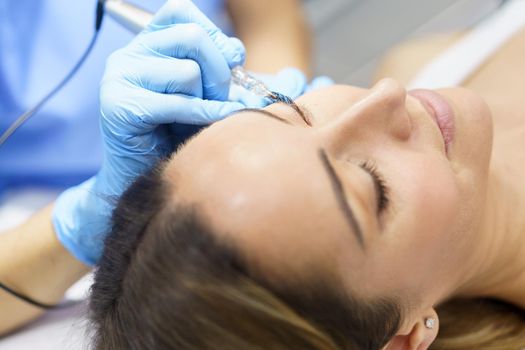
(184, 11)
(190, 41)
(169, 76)
(319, 82)
(177, 108)
(290, 82)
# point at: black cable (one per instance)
(29, 300)
(30, 112)
(99, 14)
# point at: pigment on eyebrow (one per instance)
(277, 97)
(341, 198)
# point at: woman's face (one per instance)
(302, 199)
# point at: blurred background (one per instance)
(351, 35)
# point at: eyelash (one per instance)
(383, 191)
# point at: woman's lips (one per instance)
(440, 110)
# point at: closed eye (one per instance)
(381, 189)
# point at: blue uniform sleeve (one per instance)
(40, 41)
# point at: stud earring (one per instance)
(430, 322)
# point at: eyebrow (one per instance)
(265, 112)
(337, 185)
(304, 113)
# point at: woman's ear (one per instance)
(416, 334)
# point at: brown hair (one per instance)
(166, 282)
(481, 324)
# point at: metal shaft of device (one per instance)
(129, 16)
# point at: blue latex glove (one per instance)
(176, 71)
(290, 82)
(319, 82)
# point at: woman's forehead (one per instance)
(275, 197)
(248, 152)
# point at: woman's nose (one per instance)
(382, 112)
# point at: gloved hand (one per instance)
(176, 71)
(290, 82)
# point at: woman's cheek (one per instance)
(437, 216)
(430, 200)
(424, 229)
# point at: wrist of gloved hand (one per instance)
(81, 219)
